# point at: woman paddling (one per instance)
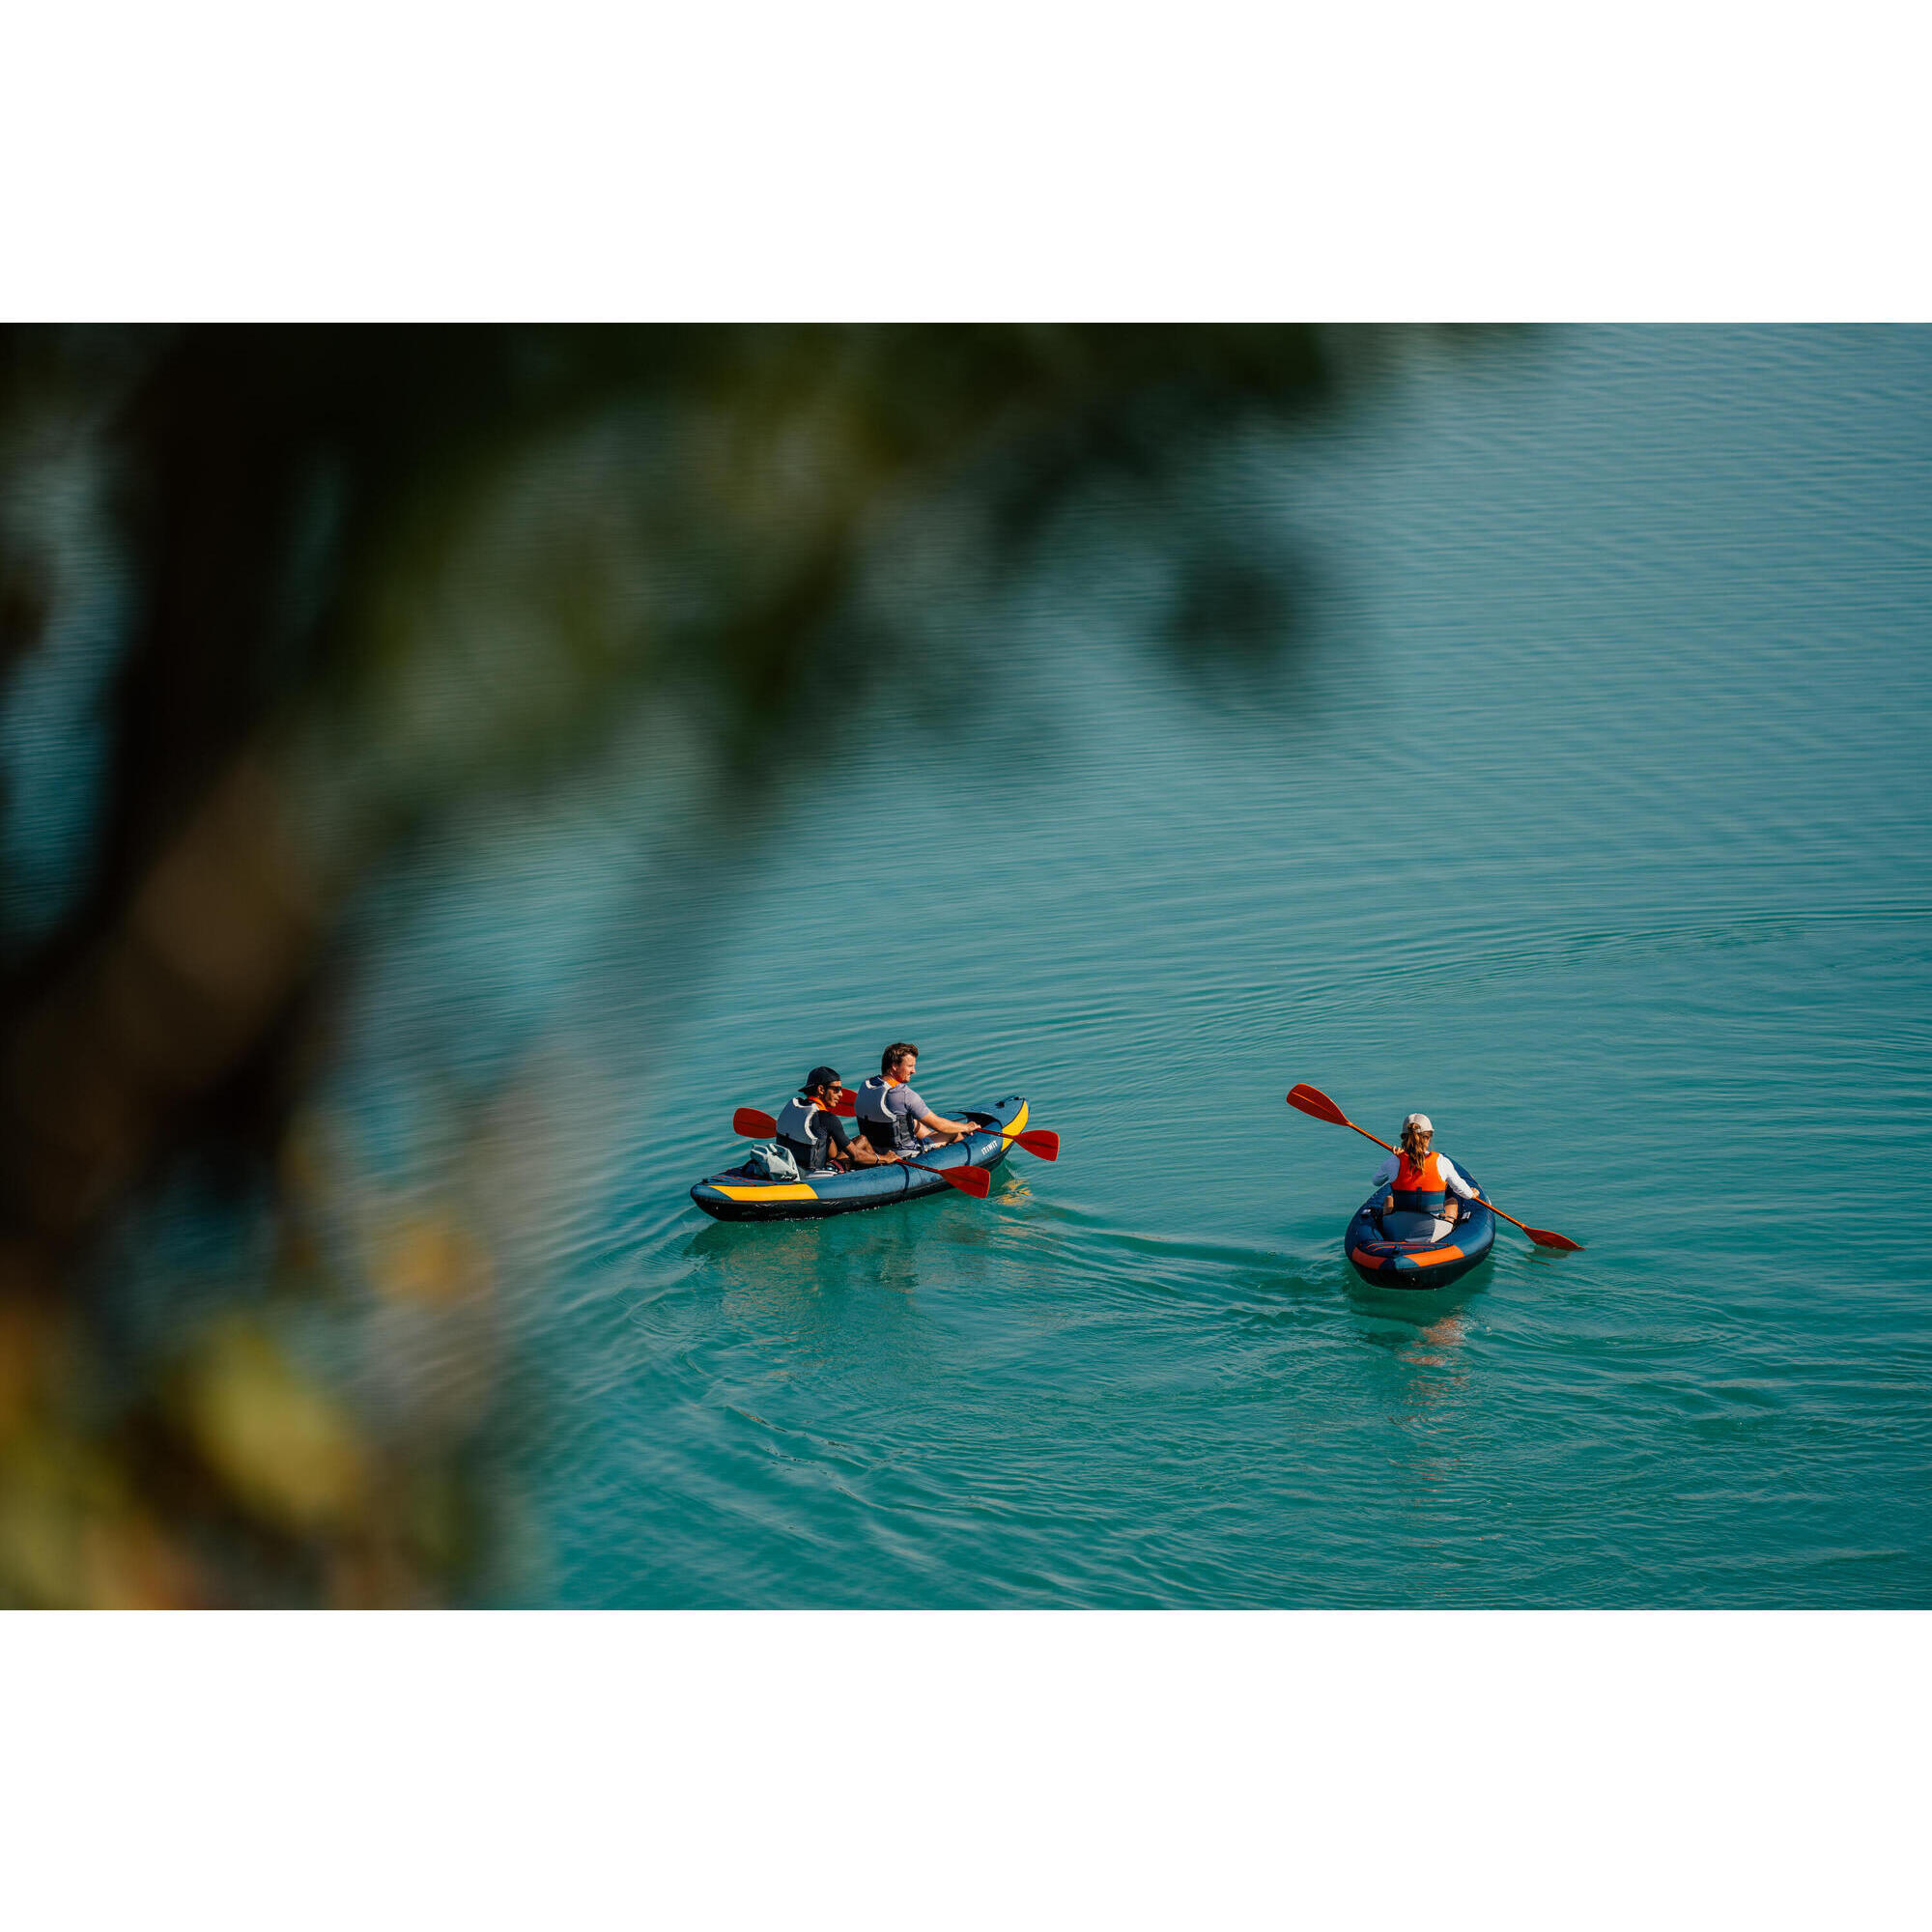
(1418, 1208)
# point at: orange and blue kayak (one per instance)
(739, 1195)
(1426, 1265)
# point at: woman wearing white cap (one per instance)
(1418, 1208)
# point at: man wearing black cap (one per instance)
(815, 1137)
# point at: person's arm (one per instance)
(856, 1147)
(940, 1127)
(847, 1147)
(1450, 1210)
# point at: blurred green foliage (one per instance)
(370, 575)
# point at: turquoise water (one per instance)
(1590, 816)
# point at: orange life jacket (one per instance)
(1421, 1190)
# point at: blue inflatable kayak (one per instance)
(1420, 1265)
(737, 1195)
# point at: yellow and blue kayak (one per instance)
(736, 1195)
(1420, 1265)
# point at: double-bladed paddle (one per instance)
(973, 1180)
(1043, 1142)
(1312, 1100)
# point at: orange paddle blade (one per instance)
(753, 1125)
(1312, 1100)
(1544, 1238)
(973, 1180)
(1042, 1141)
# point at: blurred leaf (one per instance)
(286, 1450)
(374, 580)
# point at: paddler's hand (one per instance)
(1388, 1206)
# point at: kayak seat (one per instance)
(1424, 1229)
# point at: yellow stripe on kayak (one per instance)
(1006, 1134)
(777, 1190)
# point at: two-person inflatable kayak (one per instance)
(739, 1195)
(1420, 1265)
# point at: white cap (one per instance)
(1420, 1121)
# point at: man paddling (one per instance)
(893, 1118)
(814, 1136)
(1418, 1208)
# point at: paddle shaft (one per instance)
(1041, 1141)
(1490, 1204)
(755, 1125)
(967, 1179)
(1544, 1238)
(976, 1180)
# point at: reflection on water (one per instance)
(1442, 1337)
(1654, 856)
(1161, 1382)
(1431, 1350)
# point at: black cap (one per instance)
(819, 1076)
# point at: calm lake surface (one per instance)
(1590, 813)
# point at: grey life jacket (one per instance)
(799, 1136)
(888, 1132)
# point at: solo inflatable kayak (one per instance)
(1420, 1265)
(739, 1195)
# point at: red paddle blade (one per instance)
(1544, 1238)
(1042, 1141)
(753, 1125)
(973, 1180)
(1312, 1100)
(843, 1106)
